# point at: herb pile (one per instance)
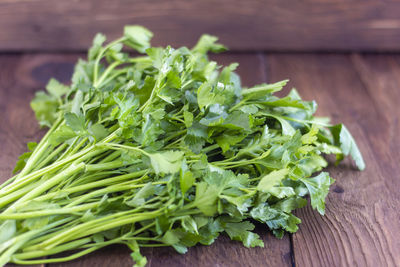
(163, 149)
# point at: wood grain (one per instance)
(46, 25)
(361, 226)
(26, 74)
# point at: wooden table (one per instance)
(362, 222)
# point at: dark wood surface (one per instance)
(47, 25)
(362, 222)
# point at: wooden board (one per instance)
(26, 74)
(362, 222)
(46, 25)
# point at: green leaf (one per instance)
(311, 136)
(45, 108)
(228, 139)
(98, 41)
(23, 159)
(171, 237)
(318, 187)
(190, 225)
(8, 229)
(166, 162)
(98, 131)
(140, 197)
(35, 223)
(56, 89)
(346, 142)
(263, 90)
(206, 96)
(186, 179)
(206, 198)
(272, 179)
(61, 135)
(216, 116)
(208, 43)
(188, 118)
(76, 123)
(138, 37)
(287, 129)
(241, 231)
(139, 259)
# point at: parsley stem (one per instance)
(50, 157)
(8, 198)
(105, 166)
(176, 134)
(19, 240)
(112, 77)
(39, 150)
(97, 225)
(73, 168)
(118, 146)
(64, 247)
(100, 192)
(100, 55)
(87, 153)
(210, 148)
(82, 155)
(33, 214)
(53, 260)
(110, 68)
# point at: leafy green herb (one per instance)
(163, 149)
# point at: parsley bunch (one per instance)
(163, 149)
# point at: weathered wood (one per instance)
(361, 226)
(26, 74)
(44, 25)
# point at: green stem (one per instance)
(68, 246)
(50, 157)
(66, 152)
(110, 189)
(92, 185)
(82, 155)
(102, 224)
(100, 55)
(39, 150)
(112, 77)
(33, 214)
(143, 59)
(74, 168)
(105, 166)
(110, 68)
(18, 241)
(118, 146)
(49, 169)
(16, 194)
(210, 148)
(176, 134)
(53, 260)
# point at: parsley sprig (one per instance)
(163, 149)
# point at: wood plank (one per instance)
(26, 74)
(381, 77)
(44, 25)
(361, 226)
